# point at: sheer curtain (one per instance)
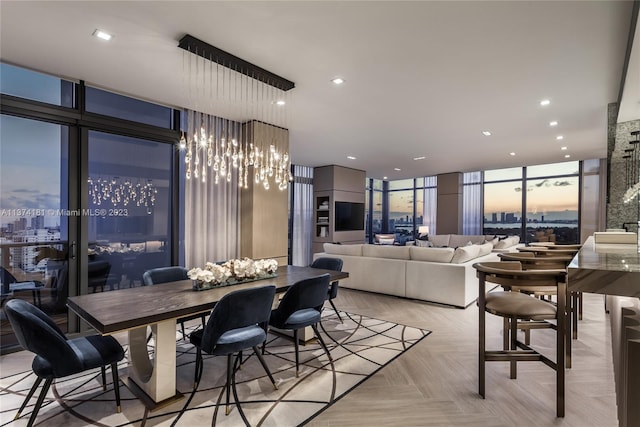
(302, 216)
(211, 219)
(430, 202)
(472, 210)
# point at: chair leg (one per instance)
(116, 385)
(36, 408)
(579, 305)
(574, 311)
(184, 335)
(228, 385)
(336, 310)
(266, 368)
(295, 343)
(514, 337)
(198, 368)
(322, 343)
(481, 342)
(34, 387)
(103, 374)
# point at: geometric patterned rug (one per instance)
(359, 348)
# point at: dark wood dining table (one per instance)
(159, 306)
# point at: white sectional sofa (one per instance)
(500, 244)
(441, 275)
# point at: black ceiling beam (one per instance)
(219, 56)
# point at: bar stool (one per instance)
(529, 261)
(515, 306)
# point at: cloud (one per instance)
(23, 190)
(517, 189)
(562, 183)
(541, 183)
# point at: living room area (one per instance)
(413, 142)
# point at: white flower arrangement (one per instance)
(631, 193)
(232, 271)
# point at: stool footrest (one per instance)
(508, 355)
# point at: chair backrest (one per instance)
(307, 293)
(164, 275)
(531, 262)
(39, 334)
(98, 272)
(328, 263)
(510, 273)
(238, 309)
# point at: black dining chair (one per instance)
(334, 264)
(300, 307)
(159, 275)
(238, 322)
(57, 356)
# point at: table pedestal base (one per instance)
(155, 376)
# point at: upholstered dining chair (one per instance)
(237, 322)
(334, 264)
(57, 356)
(516, 306)
(300, 307)
(159, 275)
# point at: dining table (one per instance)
(159, 306)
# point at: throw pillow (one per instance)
(386, 241)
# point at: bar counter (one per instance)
(605, 268)
(614, 270)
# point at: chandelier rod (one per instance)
(228, 60)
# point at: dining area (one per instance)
(239, 317)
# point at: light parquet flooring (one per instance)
(436, 382)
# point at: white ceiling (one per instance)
(422, 78)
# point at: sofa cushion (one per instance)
(485, 249)
(456, 240)
(392, 252)
(507, 242)
(332, 248)
(424, 243)
(431, 254)
(439, 240)
(386, 241)
(465, 253)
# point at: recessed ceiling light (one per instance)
(566, 156)
(102, 35)
(397, 169)
(553, 123)
(385, 177)
(545, 102)
(559, 137)
(351, 157)
(419, 158)
(486, 133)
(512, 153)
(280, 102)
(563, 148)
(338, 81)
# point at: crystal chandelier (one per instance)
(252, 143)
(117, 192)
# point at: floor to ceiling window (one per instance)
(552, 203)
(80, 185)
(538, 203)
(33, 221)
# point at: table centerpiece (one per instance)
(232, 272)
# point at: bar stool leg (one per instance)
(514, 338)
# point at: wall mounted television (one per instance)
(349, 216)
